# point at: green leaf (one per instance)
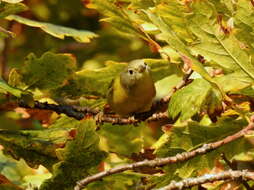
(243, 19)
(12, 1)
(215, 45)
(35, 146)
(161, 68)
(192, 99)
(8, 9)
(50, 71)
(55, 30)
(121, 181)
(91, 82)
(175, 42)
(165, 85)
(7, 88)
(122, 19)
(235, 81)
(173, 14)
(81, 157)
(97, 81)
(114, 141)
(193, 135)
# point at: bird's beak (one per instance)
(142, 68)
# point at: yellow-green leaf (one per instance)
(55, 30)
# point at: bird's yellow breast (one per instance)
(136, 99)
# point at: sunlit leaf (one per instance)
(80, 158)
(216, 45)
(12, 1)
(7, 88)
(192, 99)
(55, 30)
(192, 135)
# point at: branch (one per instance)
(226, 175)
(68, 110)
(233, 167)
(79, 113)
(168, 160)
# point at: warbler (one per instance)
(133, 90)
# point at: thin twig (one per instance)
(233, 167)
(168, 160)
(208, 178)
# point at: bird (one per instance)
(133, 90)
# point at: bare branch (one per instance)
(233, 167)
(168, 160)
(68, 110)
(226, 175)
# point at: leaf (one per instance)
(192, 99)
(39, 146)
(162, 68)
(7, 88)
(5, 33)
(214, 44)
(35, 146)
(190, 136)
(12, 1)
(96, 81)
(121, 181)
(235, 81)
(50, 71)
(173, 13)
(8, 9)
(131, 143)
(243, 20)
(165, 85)
(81, 156)
(176, 43)
(55, 30)
(91, 82)
(117, 16)
(14, 171)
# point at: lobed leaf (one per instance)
(50, 71)
(192, 99)
(192, 135)
(80, 158)
(216, 45)
(131, 143)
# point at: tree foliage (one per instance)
(201, 55)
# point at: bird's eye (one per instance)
(130, 71)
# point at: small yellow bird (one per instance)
(133, 90)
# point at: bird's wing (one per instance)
(110, 91)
